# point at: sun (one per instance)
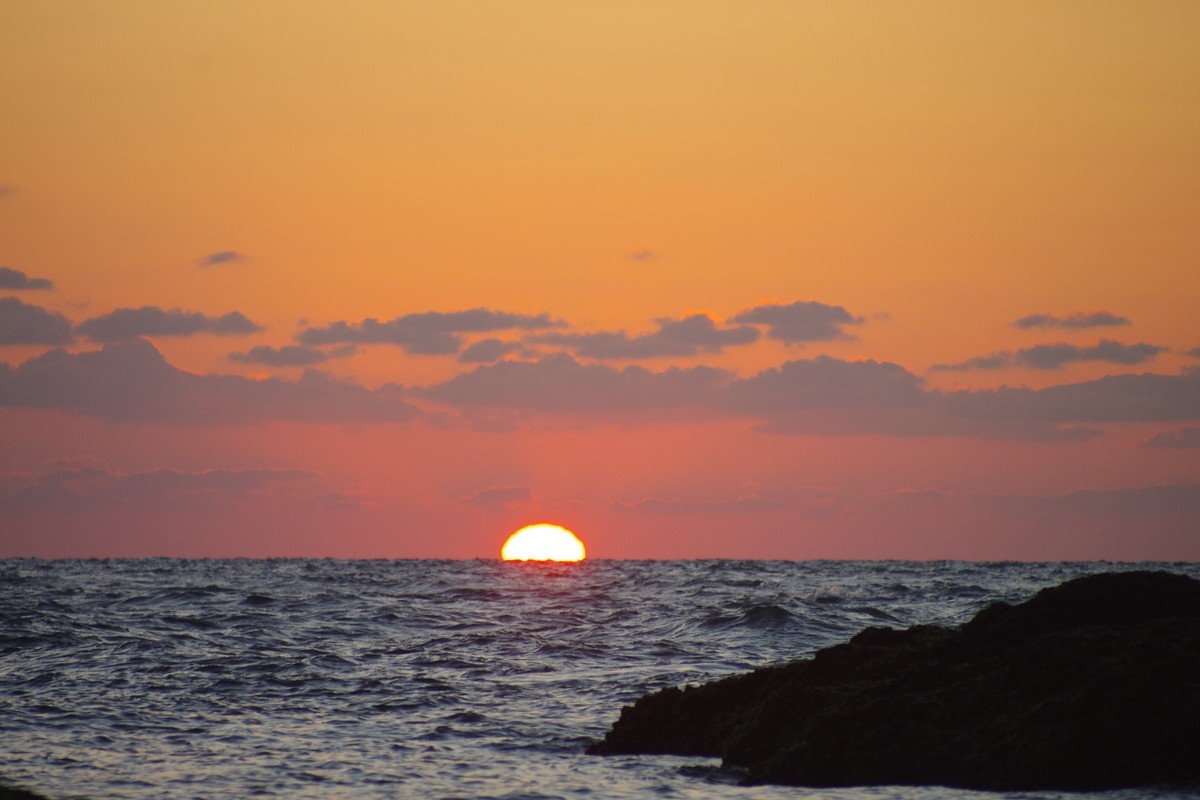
(543, 542)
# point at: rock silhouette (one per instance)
(11, 793)
(1090, 685)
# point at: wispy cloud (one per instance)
(26, 324)
(1181, 438)
(1076, 321)
(428, 333)
(809, 500)
(90, 487)
(127, 323)
(222, 257)
(689, 336)
(15, 279)
(678, 506)
(801, 321)
(499, 497)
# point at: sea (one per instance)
(296, 678)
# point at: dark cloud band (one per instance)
(1076, 321)
(689, 336)
(429, 333)
(1058, 355)
(127, 323)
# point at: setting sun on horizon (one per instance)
(543, 542)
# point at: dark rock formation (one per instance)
(1090, 685)
(9, 793)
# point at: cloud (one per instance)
(1194, 352)
(1115, 398)
(676, 506)
(801, 321)
(290, 355)
(7, 189)
(1000, 360)
(825, 382)
(827, 396)
(15, 279)
(1056, 356)
(130, 381)
(824, 396)
(1076, 321)
(88, 487)
(428, 333)
(1133, 502)
(683, 337)
(222, 257)
(488, 351)
(128, 323)
(560, 384)
(500, 497)
(643, 254)
(1183, 438)
(26, 324)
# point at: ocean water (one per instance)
(434, 679)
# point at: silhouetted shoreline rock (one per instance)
(1090, 685)
(10, 793)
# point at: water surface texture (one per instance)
(440, 679)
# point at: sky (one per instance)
(692, 278)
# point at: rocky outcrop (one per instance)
(9, 793)
(1090, 685)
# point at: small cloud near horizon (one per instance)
(1077, 321)
(18, 280)
(222, 257)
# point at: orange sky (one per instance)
(932, 171)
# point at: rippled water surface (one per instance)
(391, 679)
